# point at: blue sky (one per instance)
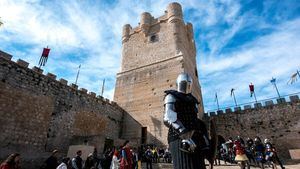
(238, 42)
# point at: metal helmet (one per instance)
(266, 141)
(257, 140)
(184, 83)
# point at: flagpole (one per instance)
(276, 89)
(254, 96)
(217, 101)
(77, 74)
(234, 98)
(273, 81)
(102, 90)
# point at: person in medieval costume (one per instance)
(271, 154)
(259, 150)
(187, 137)
(249, 150)
(240, 153)
(126, 156)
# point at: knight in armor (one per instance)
(187, 137)
(240, 153)
(249, 150)
(271, 154)
(230, 152)
(259, 150)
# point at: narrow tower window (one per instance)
(153, 38)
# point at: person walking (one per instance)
(12, 162)
(126, 156)
(89, 162)
(149, 156)
(115, 163)
(64, 164)
(52, 162)
(77, 162)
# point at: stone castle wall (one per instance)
(278, 122)
(39, 113)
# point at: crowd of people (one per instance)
(246, 153)
(123, 157)
(249, 152)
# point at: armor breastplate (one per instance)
(268, 147)
(185, 107)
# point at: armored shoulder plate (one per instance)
(170, 99)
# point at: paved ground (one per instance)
(292, 165)
(237, 167)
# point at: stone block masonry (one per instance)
(39, 113)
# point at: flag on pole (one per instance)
(1, 23)
(251, 87)
(44, 57)
(294, 77)
(231, 93)
(273, 80)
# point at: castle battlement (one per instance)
(23, 66)
(265, 104)
(173, 14)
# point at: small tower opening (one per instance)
(153, 38)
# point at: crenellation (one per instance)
(228, 110)
(74, 86)
(269, 103)
(237, 109)
(247, 107)
(294, 99)
(281, 101)
(100, 97)
(93, 94)
(220, 111)
(51, 76)
(146, 20)
(5, 55)
(174, 12)
(257, 105)
(22, 63)
(126, 32)
(63, 81)
(37, 69)
(83, 90)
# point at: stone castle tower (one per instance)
(153, 55)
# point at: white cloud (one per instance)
(274, 55)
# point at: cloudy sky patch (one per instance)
(238, 42)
